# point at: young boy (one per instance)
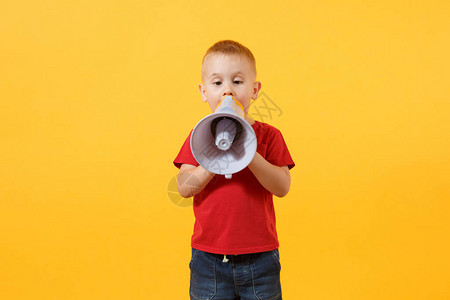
(235, 244)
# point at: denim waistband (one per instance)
(237, 257)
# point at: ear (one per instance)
(202, 90)
(256, 89)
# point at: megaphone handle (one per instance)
(228, 176)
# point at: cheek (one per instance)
(212, 105)
(212, 92)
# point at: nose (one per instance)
(227, 89)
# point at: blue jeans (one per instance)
(244, 277)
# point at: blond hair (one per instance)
(230, 47)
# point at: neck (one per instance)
(249, 120)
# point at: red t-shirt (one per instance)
(237, 216)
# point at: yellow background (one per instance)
(98, 96)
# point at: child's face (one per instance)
(228, 75)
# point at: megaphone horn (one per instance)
(224, 142)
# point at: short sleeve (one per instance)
(277, 151)
(185, 155)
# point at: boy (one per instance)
(235, 243)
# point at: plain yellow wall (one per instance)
(98, 96)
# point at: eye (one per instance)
(237, 82)
(217, 82)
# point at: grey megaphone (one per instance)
(224, 142)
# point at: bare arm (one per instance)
(276, 180)
(191, 180)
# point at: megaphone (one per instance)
(224, 142)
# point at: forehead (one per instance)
(226, 63)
